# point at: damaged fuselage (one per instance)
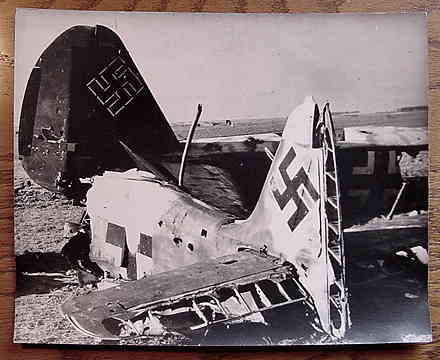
(180, 252)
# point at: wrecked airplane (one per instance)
(171, 227)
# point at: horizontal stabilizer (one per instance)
(232, 288)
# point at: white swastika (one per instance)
(116, 85)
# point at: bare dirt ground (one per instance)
(39, 220)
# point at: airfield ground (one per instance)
(44, 281)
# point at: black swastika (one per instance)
(291, 192)
(116, 85)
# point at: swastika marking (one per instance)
(300, 180)
(116, 85)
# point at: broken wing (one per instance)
(238, 287)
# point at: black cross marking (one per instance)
(116, 235)
(145, 246)
(291, 192)
(116, 85)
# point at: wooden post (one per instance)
(391, 213)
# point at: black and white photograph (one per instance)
(195, 179)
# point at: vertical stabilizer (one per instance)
(84, 97)
(297, 209)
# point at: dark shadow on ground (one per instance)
(41, 273)
(31, 262)
(388, 294)
(42, 283)
(277, 330)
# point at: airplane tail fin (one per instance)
(298, 214)
(85, 95)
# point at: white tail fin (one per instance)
(289, 203)
(292, 216)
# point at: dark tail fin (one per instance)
(87, 93)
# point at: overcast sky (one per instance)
(253, 66)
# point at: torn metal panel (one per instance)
(184, 299)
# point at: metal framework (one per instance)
(227, 303)
(333, 232)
